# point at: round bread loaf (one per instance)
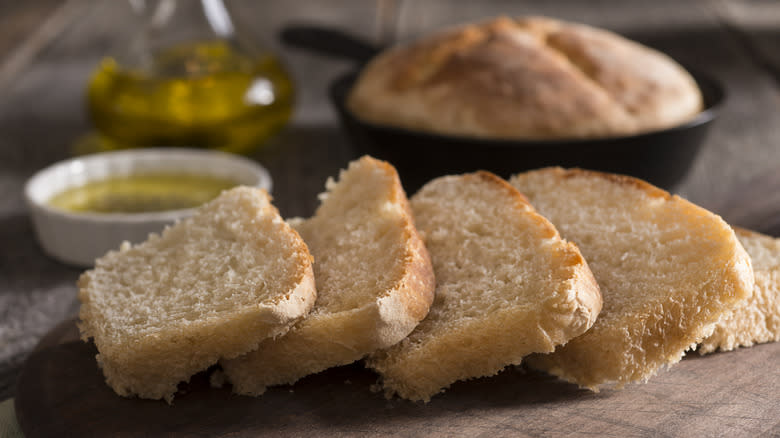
(525, 78)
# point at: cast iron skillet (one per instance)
(660, 157)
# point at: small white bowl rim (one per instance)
(263, 180)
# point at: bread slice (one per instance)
(507, 286)
(374, 278)
(668, 271)
(758, 319)
(209, 287)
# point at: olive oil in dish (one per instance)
(141, 193)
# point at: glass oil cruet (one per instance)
(187, 78)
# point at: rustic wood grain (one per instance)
(31, 30)
(720, 395)
(18, 20)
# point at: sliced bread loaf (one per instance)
(758, 319)
(209, 287)
(506, 286)
(374, 279)
(668, 271)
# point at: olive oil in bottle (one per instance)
(189, 77)
(205, 94)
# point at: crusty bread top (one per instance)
(525, 78)
(758, 319)
(507, 286)
(668, 271)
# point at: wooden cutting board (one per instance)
(61, 392)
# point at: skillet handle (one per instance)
(329, 42)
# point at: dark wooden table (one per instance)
(48, 48)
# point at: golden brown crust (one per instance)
(624, 180)
(500, 183)
(632, 340)
(416, 288)
(587, 289)
(585, 285)
(431, 359)
(525, 78)
(418, 284)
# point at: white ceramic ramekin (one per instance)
(79, 238)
